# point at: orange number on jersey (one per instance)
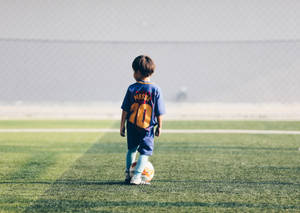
(133, 109)
(140, 114)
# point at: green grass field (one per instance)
(84, 172)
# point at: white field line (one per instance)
(184, 131)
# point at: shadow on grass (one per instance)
(69, 205)
(66, 182)
(117, 182)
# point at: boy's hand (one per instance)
(158, 131)
(122, 131)
(122, 124)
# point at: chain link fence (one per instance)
(206, 52)
(247, 72)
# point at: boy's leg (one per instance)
(132, 145)
(130, 158)
(140, 166)
(145, 149)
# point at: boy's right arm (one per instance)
(122, 125)
(159, 126)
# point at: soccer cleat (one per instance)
(145, 183)
(138, 181)
(135, 180)
(127, 177)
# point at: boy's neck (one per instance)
(145, 79)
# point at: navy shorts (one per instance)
(143, 139)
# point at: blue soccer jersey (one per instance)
(143, 102)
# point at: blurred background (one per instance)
(226, 59)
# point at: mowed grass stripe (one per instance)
(190, 178)
(168, 124)
(181, 131)
(11, 162)
(194, 173)
(69, 205)
(45, 157)
(33, 167)
(13, 124)
(81, 173)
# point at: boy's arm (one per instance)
(159, 126)
(122, 125)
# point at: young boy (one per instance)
(143, 108)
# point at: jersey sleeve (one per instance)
(126, 102)
(159, 108)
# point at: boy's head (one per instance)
(143, 67)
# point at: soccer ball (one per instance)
(147, 174)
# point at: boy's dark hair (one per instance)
(144, 64)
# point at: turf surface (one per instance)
(47, 172)
(181, 124)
